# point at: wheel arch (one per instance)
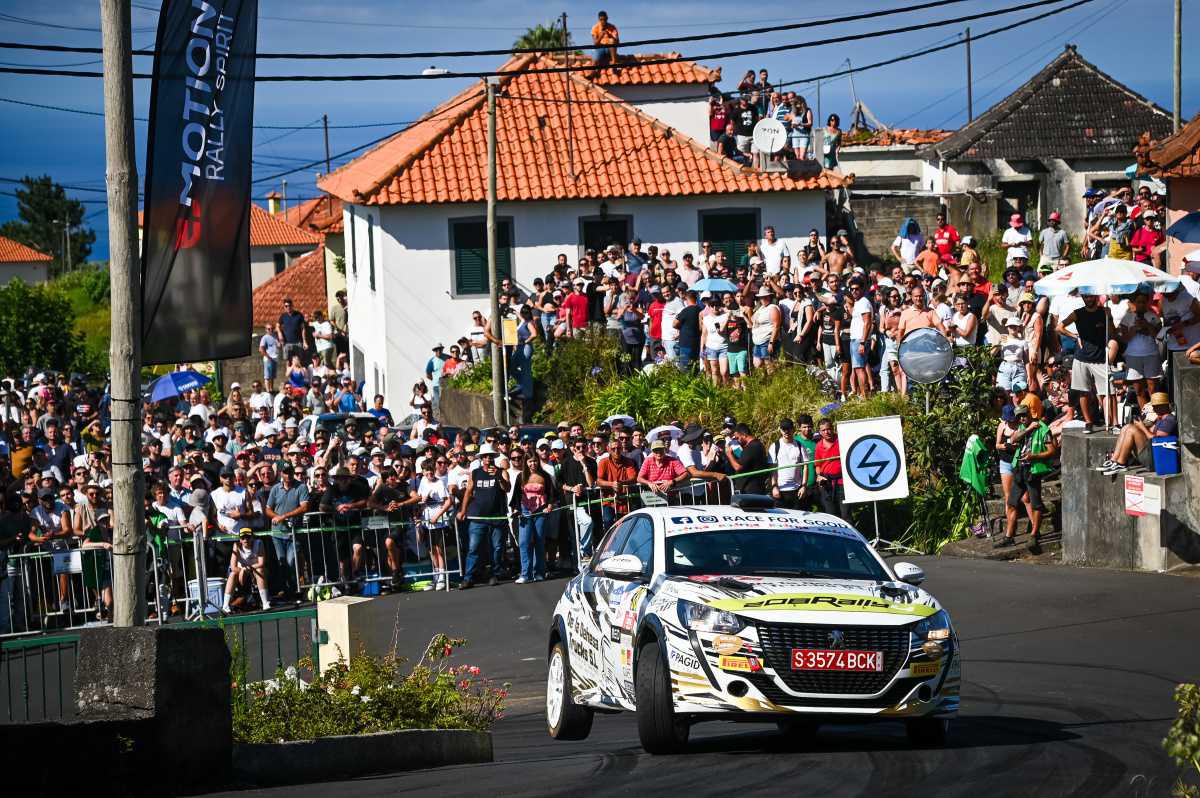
(649, 630)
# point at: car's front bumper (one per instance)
(706, 681)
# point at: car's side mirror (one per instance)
(907, 572)
(621, 566)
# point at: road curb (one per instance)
(327, 758)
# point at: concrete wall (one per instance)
(29, 272)
(413, 306)
(682, 106)
(878, 215)
(335, 247)
(883, 167)
(1096, 530)
(1060, 183)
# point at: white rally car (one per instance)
(747, 613)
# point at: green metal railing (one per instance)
(38, 673)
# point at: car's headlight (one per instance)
(934, 628)
(702, 618)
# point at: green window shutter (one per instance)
(470, 255)
(730, 233)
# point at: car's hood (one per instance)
(806, 600)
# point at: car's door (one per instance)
(587, 623)
(625, 595)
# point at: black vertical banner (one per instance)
(196, 301)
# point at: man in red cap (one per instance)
(1016, 239)
(1055, 242)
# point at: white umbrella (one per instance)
(667, 430)
(1103, 276)
(626, 420)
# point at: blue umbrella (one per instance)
(1187, 229)
(175, 383)
(715, 284)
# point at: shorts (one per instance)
(715, 354)
(1011, 376)
(844, 349)
(270, 367)
(1024, 481)
(1084, 375)
(762, 351)
(737, 362)
(1143, 367)
(856, 360)
(1145, 456)
(684, 355)
(1006, 467)
(713, 135)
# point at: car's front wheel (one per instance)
(565, 720)
(658, 728)
(929, 732)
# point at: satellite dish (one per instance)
(769, 135)
(925, 356)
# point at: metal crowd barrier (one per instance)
(64, 588)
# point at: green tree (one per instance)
(44, 208)
(540, 37)
(37, 328)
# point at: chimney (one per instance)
(273, 203)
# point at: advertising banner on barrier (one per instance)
(196, 225)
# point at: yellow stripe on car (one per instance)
(824, 602)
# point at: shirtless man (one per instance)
(837, 259)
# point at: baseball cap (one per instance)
(658, 444)
(969, 240)
(1014, 220)
(558, 444)
(1056, 216)
(235, 385)
(438, 347)
(1027, 297)
(1013, 321)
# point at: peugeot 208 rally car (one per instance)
(747, 613)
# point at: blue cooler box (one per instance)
(1166, 455)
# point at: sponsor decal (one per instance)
(629, 621)
(826, 526)
(925, 668)
(614, 634)
(584, 644)
(685, 660)
(829, 602)
(727, 644)
(636, 599)
(745, 664)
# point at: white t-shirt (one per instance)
(323, 328)
(687, 455)
(227, 501)
(909, 246)
(264, 428)
(1064, 305)
(861, 307)
(458, 476)
(1180, 307)
(772, 254)
(785, 453)
(670, 311)
(260, 399)
(1140, 345)
(433, 493)
(1021, 237)
(1014, 350)
(714, 325)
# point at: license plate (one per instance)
(813, 659)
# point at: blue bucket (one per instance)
(1166, 455)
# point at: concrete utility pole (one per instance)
(498, 386)
(970, 95)
(566, 42)
(328, 198)
(1178, 93)
(125, 355)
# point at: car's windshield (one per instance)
(771, 552)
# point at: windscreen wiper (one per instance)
(798, 572)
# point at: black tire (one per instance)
(573, 722)
(658, 729)
(928, 732)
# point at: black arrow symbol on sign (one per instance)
(878, 465)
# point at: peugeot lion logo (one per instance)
(837, 638)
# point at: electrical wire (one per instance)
(816, 23)
(637, 64)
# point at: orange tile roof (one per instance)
(319, 214)
(303, 281)
(896, 137)
(16, 252)
(1177, 155)
(268, 231)
(619, 151)
(655, 74)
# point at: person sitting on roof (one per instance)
(606, 39)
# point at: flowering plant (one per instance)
(365, 694)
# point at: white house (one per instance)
(888, 158)
(601, 172)
(18, 261)
(1069, 128)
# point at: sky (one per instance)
(927, 92)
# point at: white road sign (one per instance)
(873, 463)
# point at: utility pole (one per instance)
(819, 117)
(498, 386)
(1178, 92)
(566, 42)
(285, 195)
(325, 123)
(125, 354)
(970, 96)
(67, 241)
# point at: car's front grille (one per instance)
(778, 640)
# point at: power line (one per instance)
(557, 70)
(697, 37)
(56, 26)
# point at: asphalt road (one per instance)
(1068, 677)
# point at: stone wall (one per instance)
(878, 215)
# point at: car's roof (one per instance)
(699, 513)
